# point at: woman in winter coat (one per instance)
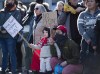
(37, 35)
(86, 25)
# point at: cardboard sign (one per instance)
(12, 26)
(49, 19)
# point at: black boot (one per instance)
(42, 73)
(14, 73)
(49, 72)
(3, 72)
(27, 72)
(35, 72)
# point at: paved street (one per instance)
(17, 73)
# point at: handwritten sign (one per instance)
(12, 26)
(49, 19)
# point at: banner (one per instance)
(12, 26)
(49, 19)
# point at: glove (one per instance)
(79, 9)
(4, 31)
(33, 46)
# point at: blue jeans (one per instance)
(8, 46)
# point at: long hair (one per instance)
(31, 7)
(48, 30)
(41, 8)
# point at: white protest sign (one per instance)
(12, 26)
(49, 19)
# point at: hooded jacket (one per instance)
(69, 52)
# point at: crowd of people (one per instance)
(70, 47)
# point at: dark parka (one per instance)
(97, 29)
(70, 52)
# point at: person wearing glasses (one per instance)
(37, 35)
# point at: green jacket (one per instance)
(70, 52)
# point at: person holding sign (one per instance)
(37, 34)
(8, 43)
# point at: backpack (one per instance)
(58, 69)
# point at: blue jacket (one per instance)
(4, 15)
(86, 24)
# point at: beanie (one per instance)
(62, 28)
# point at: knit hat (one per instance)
(62, 28)
(39, 1)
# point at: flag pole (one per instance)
(27, 42)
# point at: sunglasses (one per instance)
(36, 8)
